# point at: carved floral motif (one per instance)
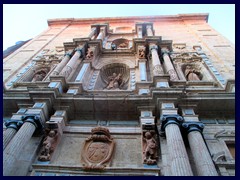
(98, 149)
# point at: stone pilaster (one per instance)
(179, 162)
(13, 150)
(62, 64)
(9, 133)
(157, 67)
(149, 30)
(202, 158)
(72, 64)
(169, 66)
(92, 33)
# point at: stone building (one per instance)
(145, 96)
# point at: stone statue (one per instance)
(48, 145)
(191, 74)
(39, 75)
(89, 53)
(123, 45)
(115, 81)
(141, 53)
(150, 150)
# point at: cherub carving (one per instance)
(141, 53)
(48, 145)
(89, 53)
(150, 149)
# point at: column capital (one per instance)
(15, 124)
(170, 119)
(164, 50)
(68, 53)
(193, 126)
(153, 46)
(35, 120)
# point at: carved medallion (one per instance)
(98, 149)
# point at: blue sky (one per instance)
(25, 21)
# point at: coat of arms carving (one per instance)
(98, 149)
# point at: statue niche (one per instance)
(115, 76)
(121, 43)
(192, 73)
(48, 145)
(39, 75)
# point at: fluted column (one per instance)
(62, 64)
(72, 64)
(101, 34)
(157, 67)
(149, 31)
(9, 133)
(179, 162)
(202, 158)
(92, 33)
(13, 150)
(169, 66)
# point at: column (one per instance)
(149, 30)
(101, 34)
(139, 31)
(179, 162)
(62, 64)
(92, 33)
(157, 67)
(169, 66)
(13, 150)
(202, 158)
(72, 64)
(9, 133)
(143, 71)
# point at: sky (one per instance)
(25, 21)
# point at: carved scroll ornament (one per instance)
(98, 149)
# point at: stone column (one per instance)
(92, 33)
(101, 34)
(68, 69)
(169, 66)
(179, 162)
(62, 64)
(13, 150)
(149, 30)
(139, 31)
(9, 133)
(157, 67)
(202, 158)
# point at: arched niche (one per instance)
(121, 43)
(107, 77)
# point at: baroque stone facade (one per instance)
(121, 96)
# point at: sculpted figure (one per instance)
(89, 53)
(115, 81)
(150, 150)
(141, 53)
(48, 146)
(122, 45)
(192, 74)
(39, 75)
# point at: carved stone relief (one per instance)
(185, 57)
(115, 82)
(149, 147)
(97, 149)
(48, 145)
(90, 53)
(141, 52)
(157, 70)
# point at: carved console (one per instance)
(97, 149)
